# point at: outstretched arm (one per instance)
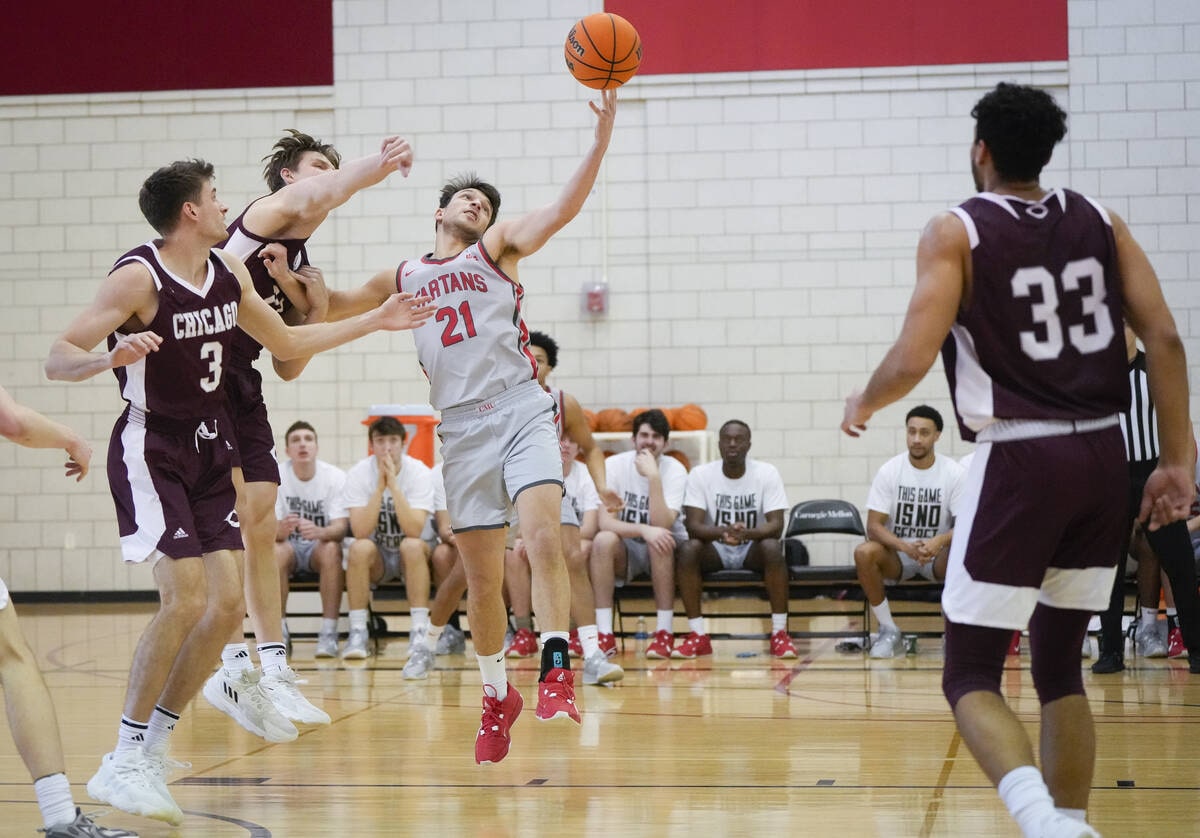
(125, 297)
(25, 426)
(261, 322)
(941, 258)
(509, 241)
(297, 209)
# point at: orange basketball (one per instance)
(603, 50)
(612, 419)
(690, 417)
(591, 419)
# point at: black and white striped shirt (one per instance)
(1139, 424)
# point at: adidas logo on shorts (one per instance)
(179, 533)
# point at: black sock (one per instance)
(453, 621)
(554, 656)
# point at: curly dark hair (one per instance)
(1020, 125)
(287, 152)
(548, 344)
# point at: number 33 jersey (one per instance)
(184, 379)
(476, 345)
(1039, 331)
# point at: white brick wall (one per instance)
(757, 231)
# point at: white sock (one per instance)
(666, 619)
(589, 639)
(272, 657)
(358, 619)
(235, 657)
(131, 734)
(1028, 800)
(491, 667)
(162, 725)
(604, 623)
(778, 622)
(1074, 814)
(696, 625)
(54, 799)
(419, 617)
(329, 625)
(432, 633)
(883, 614)
(1149, 616)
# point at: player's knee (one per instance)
(865, 556)
(688, 555)
(1055, 636)
(974, 660)
(772, 552)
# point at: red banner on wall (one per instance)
(717, 36)
(83, 46)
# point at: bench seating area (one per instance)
(824, 601)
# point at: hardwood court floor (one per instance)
(830, 744)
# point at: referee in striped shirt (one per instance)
(1171, 544)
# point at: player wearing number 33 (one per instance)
(499, 444)
(1024, 288)
(170, 310)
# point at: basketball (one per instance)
(603, 50)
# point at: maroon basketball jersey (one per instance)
(1040, 336)
(184, 378)
(246, 246)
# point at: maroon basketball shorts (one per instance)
(1042, 520)
(252, 432)
(172, 484)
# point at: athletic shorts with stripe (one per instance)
(172, 485)
(1041, 521)
(494, 449)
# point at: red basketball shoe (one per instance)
(491, 743)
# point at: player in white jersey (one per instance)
(30, 709)
(909, 515)
(498, 440)
(308, 538)
(389, 498)
(734, 510)
(641, 537)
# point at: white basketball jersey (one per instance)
(476, 345)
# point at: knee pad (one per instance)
(974, 660)
(1055, 639)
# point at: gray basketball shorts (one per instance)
(493, 450)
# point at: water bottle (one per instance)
(641, 636)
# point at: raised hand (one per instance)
(396, 153)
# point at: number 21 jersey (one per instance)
(476, 345)
(1039, 333)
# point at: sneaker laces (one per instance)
(493, 714)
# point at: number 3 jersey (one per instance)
(476, 345)
(1039, 334)
(184, 378)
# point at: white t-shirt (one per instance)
(634, 490)
(745, 501)
(415, 481)
(918, 502)
(580, 489)
(316, 499)
(439, 505)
